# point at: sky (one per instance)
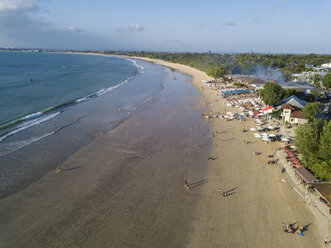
(222, 26)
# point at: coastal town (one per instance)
(277, 123)
(267, 162)
(168, 124)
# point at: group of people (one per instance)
(186, 186)
(293, 228)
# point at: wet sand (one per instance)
(126, 189)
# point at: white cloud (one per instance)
(21, 27)
(229, 24)
(278, 4)
(13, 5)
(130, 29)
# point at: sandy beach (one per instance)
(126, 189)
(262, 200)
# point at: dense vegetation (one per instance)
(313, 141)
(215, 64)
(327, 81)
(272, 93)
(313, 110)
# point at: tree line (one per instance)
(217, 65)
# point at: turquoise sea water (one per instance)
(32, 83)
(50, 104)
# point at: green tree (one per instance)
(313, 141)
(325, 146)
(322, 169)
(215, 71)
(307, 140)
(315, 95)
(312, 110)
(291, 92)
(273, 93)
(327, 81)
(316, 80)
(322, 166)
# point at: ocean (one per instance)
(51, 105)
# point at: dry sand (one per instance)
(252, 216)
(125, 192)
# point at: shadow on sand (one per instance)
(73, 168)
(230, 191)
(199, 183)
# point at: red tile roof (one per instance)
(287, 106)
(297, 114)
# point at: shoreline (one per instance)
(125, 188)
(216, 105)
(249, 217)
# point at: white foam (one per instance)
(84, 99)
(20, 144)
(28, 124)
(140, 67)
(32, 116)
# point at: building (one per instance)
(295, 102)
(327, 65)
(292, 114)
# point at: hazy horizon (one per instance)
(280, 26)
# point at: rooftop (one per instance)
(295, 101)
(297, 114)
(305, 175)
(287, 106)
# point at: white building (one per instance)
(327, 65)
(292, 115)
(292, 110)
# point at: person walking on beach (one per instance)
(186, 185)
(219, 191)
(326, 241)
(58, 169)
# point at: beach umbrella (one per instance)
(228, 104)
(253, 129)
(286, 139)
(257, 135)
(251, 113)
(270, 127)
(265, 134)
(272, 135)
(229, 113)
(266, 139)
(226, 116)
